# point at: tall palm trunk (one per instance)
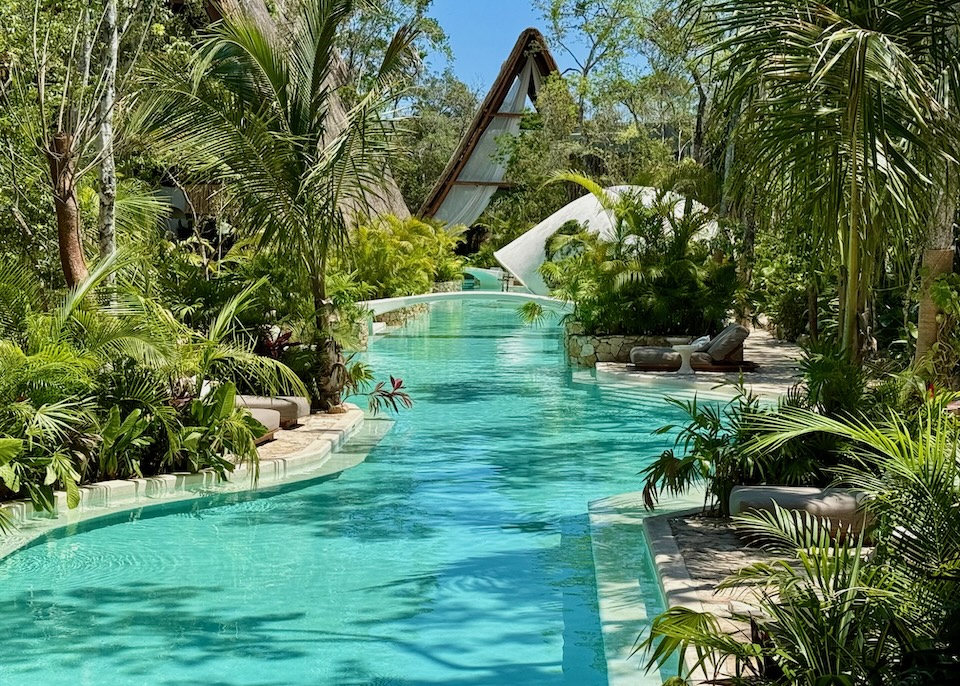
(937, 260)
(63, 181)
(107, 224)
(854, 283)
(332, 373)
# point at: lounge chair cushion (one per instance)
(271, 422)
(289, 412)
(303, 404)
(700, 344)
(727, 342)
(269, 418)
(665, 358)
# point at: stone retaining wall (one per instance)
(447, 286)
(402, 315)
(585, 350)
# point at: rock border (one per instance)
(586, 350)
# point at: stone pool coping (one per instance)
(306, 452)
(619, 525)
(619, 528)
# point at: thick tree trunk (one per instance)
(937, 260)
(331, 368)
(107, 224)
(63, 183)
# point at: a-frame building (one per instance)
(472, 176)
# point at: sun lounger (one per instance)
(723, 353)
(270, 419)
(290, 408)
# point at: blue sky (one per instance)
(482, 33)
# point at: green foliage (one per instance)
(711, 444)
(395, 257)
(829, 138)
(215, 428)
(121, 441)
(829, 613)
(652, 277)
(724, 445)
(92, 391)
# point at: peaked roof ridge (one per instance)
(530, 43)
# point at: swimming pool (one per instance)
(458, 553)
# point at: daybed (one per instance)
(721, 354)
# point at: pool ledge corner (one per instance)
(619, 527)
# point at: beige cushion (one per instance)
(269, 418)
(841, 506)
(651, 356)
(303, 404)
(727, 341)
(289, 412)
(667, 359)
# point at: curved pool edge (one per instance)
(309, 460)
(622, 542)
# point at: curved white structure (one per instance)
(487, 279)
(389, 304)
(523, 257)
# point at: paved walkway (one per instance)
(778, 360)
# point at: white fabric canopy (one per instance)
(465, 203)
(523, 257)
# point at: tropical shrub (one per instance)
(711, 445)
(654, 276)
(716, 447)
(91, 391)
(395, 257)
(829, 612)
(214, 428)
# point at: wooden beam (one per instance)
(496, 184)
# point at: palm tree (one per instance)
(830, 613)
(261, 110)
(840, 105)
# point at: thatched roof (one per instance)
(530, 44)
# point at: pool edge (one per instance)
(106, 498)
(619, 528)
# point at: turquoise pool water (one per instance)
(457, 554)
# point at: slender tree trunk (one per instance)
(63, 183)
(851, 299)
(108, 171)
(697, 147)
(728, 157)
(748, 248)
(937, 260)
(747, 252)
(813, 310)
